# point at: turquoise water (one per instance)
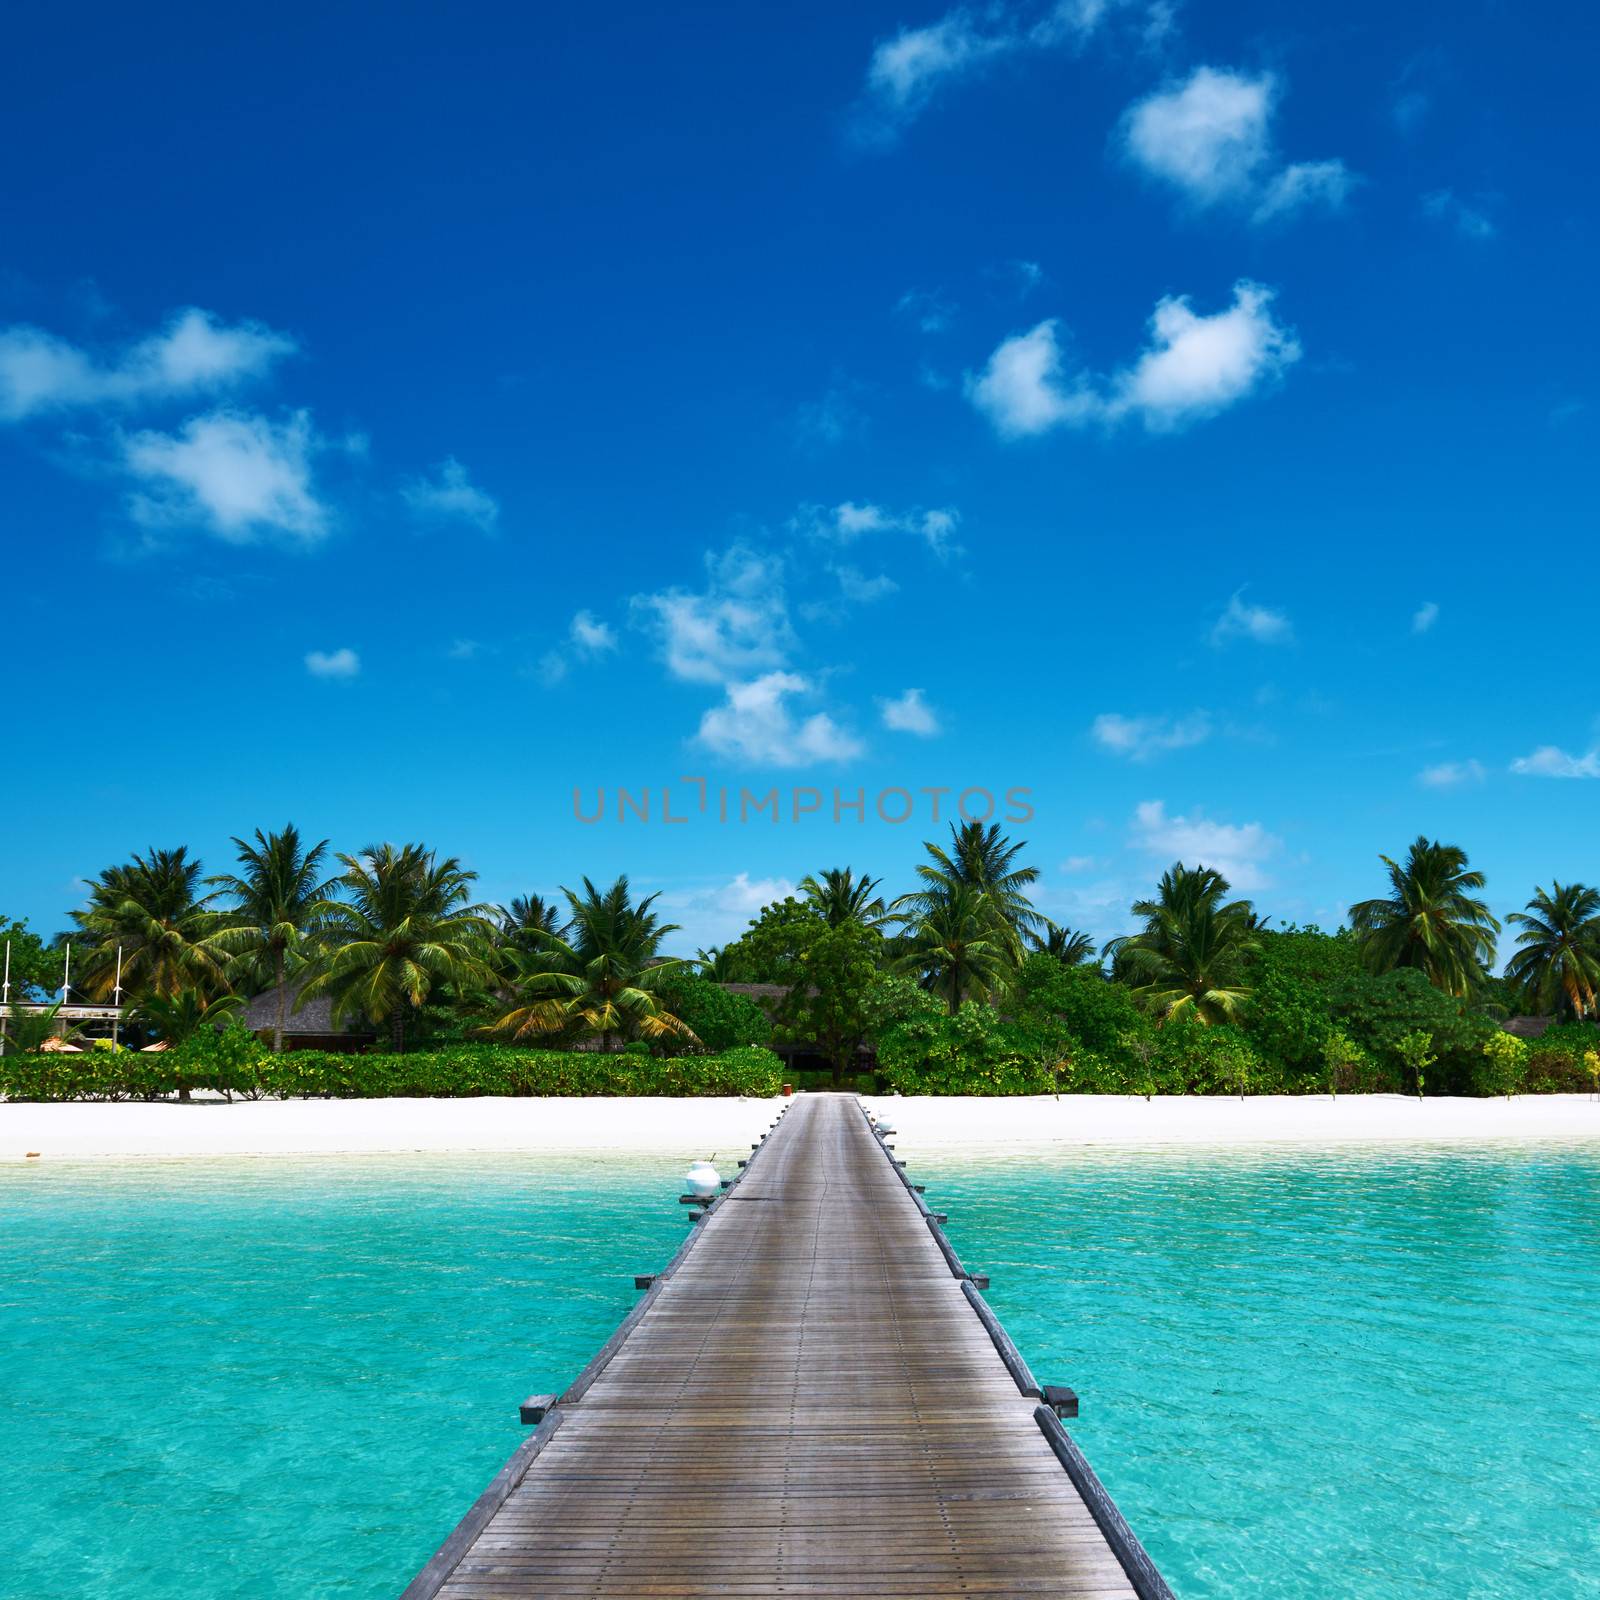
(1350, 1377)
(1358, 1375)
(270, 1379)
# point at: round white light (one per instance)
(702, 1180)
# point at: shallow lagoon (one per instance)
(1363, 1374)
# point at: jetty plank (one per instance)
(811, 1399)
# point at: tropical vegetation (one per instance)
(961, 983)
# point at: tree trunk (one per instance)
(397, 1030)
(283, 1001)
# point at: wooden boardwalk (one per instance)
(812, 1399)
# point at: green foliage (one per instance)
(1557, 960)
(1196, 1059)
(1430, 920)
(35, 970)
(1347, 1066)
(1505, 1065)
(1292, 978)
(181, 1016)
(830, 976)
(150, 910)
(1379, 1011)
(1191, 959)
(1557, 1061)
(1416, 1051)
(405, 927)
(28, 1031)
(720, 1020)
(1078, 1003)
(970, 1051)
(893, 999)
(759, 954)
(232, 1061)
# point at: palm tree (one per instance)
(719, 964)
(28, 1032)
(840, 897)
(180, 1016)
(601, 977)
(151, 909)
(956, 947)
(1190, 958)
(406, 923)
(984, 861)
(276, 900)
(1429, 920)
(1558, 955)
(528, 916)
(1069, 947)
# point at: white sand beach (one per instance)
(210, 1127)
(728, 1126)
(989, 1126)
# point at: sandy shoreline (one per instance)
(727, 1126)
(1045, 1123)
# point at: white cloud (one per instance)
(463, 649)
(1211, 138)
(1024, 388)
(193, 354)
(1471, 221)
(715, 914)
(1424, 616)
(858, 589)
(910, 713)
(755, 724)
(1143, 738)
(451, 496)
(845, 523)
(1451, 774)
(1079, 864)
(1241, 620)
(738, 625)
(1305, 183)
(1194, 367)
(343, 663)
(1237, 851)
(1197, 366)
(237, 474)
(1209, 135)
(907, 70)
(591, 636)
(1549, 761)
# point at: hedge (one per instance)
(235, 1068)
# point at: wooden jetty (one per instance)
(811, 1399)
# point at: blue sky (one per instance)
(411, 415)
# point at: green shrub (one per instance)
(1378, 1013)
(1505, 1065)
(1556, 1059)
(975, 1051)
(1218, 1060)
(226, 1066)
(1079, 1003)
(721, 1021)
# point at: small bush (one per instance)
(227, 1064)
(1505, 1066)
